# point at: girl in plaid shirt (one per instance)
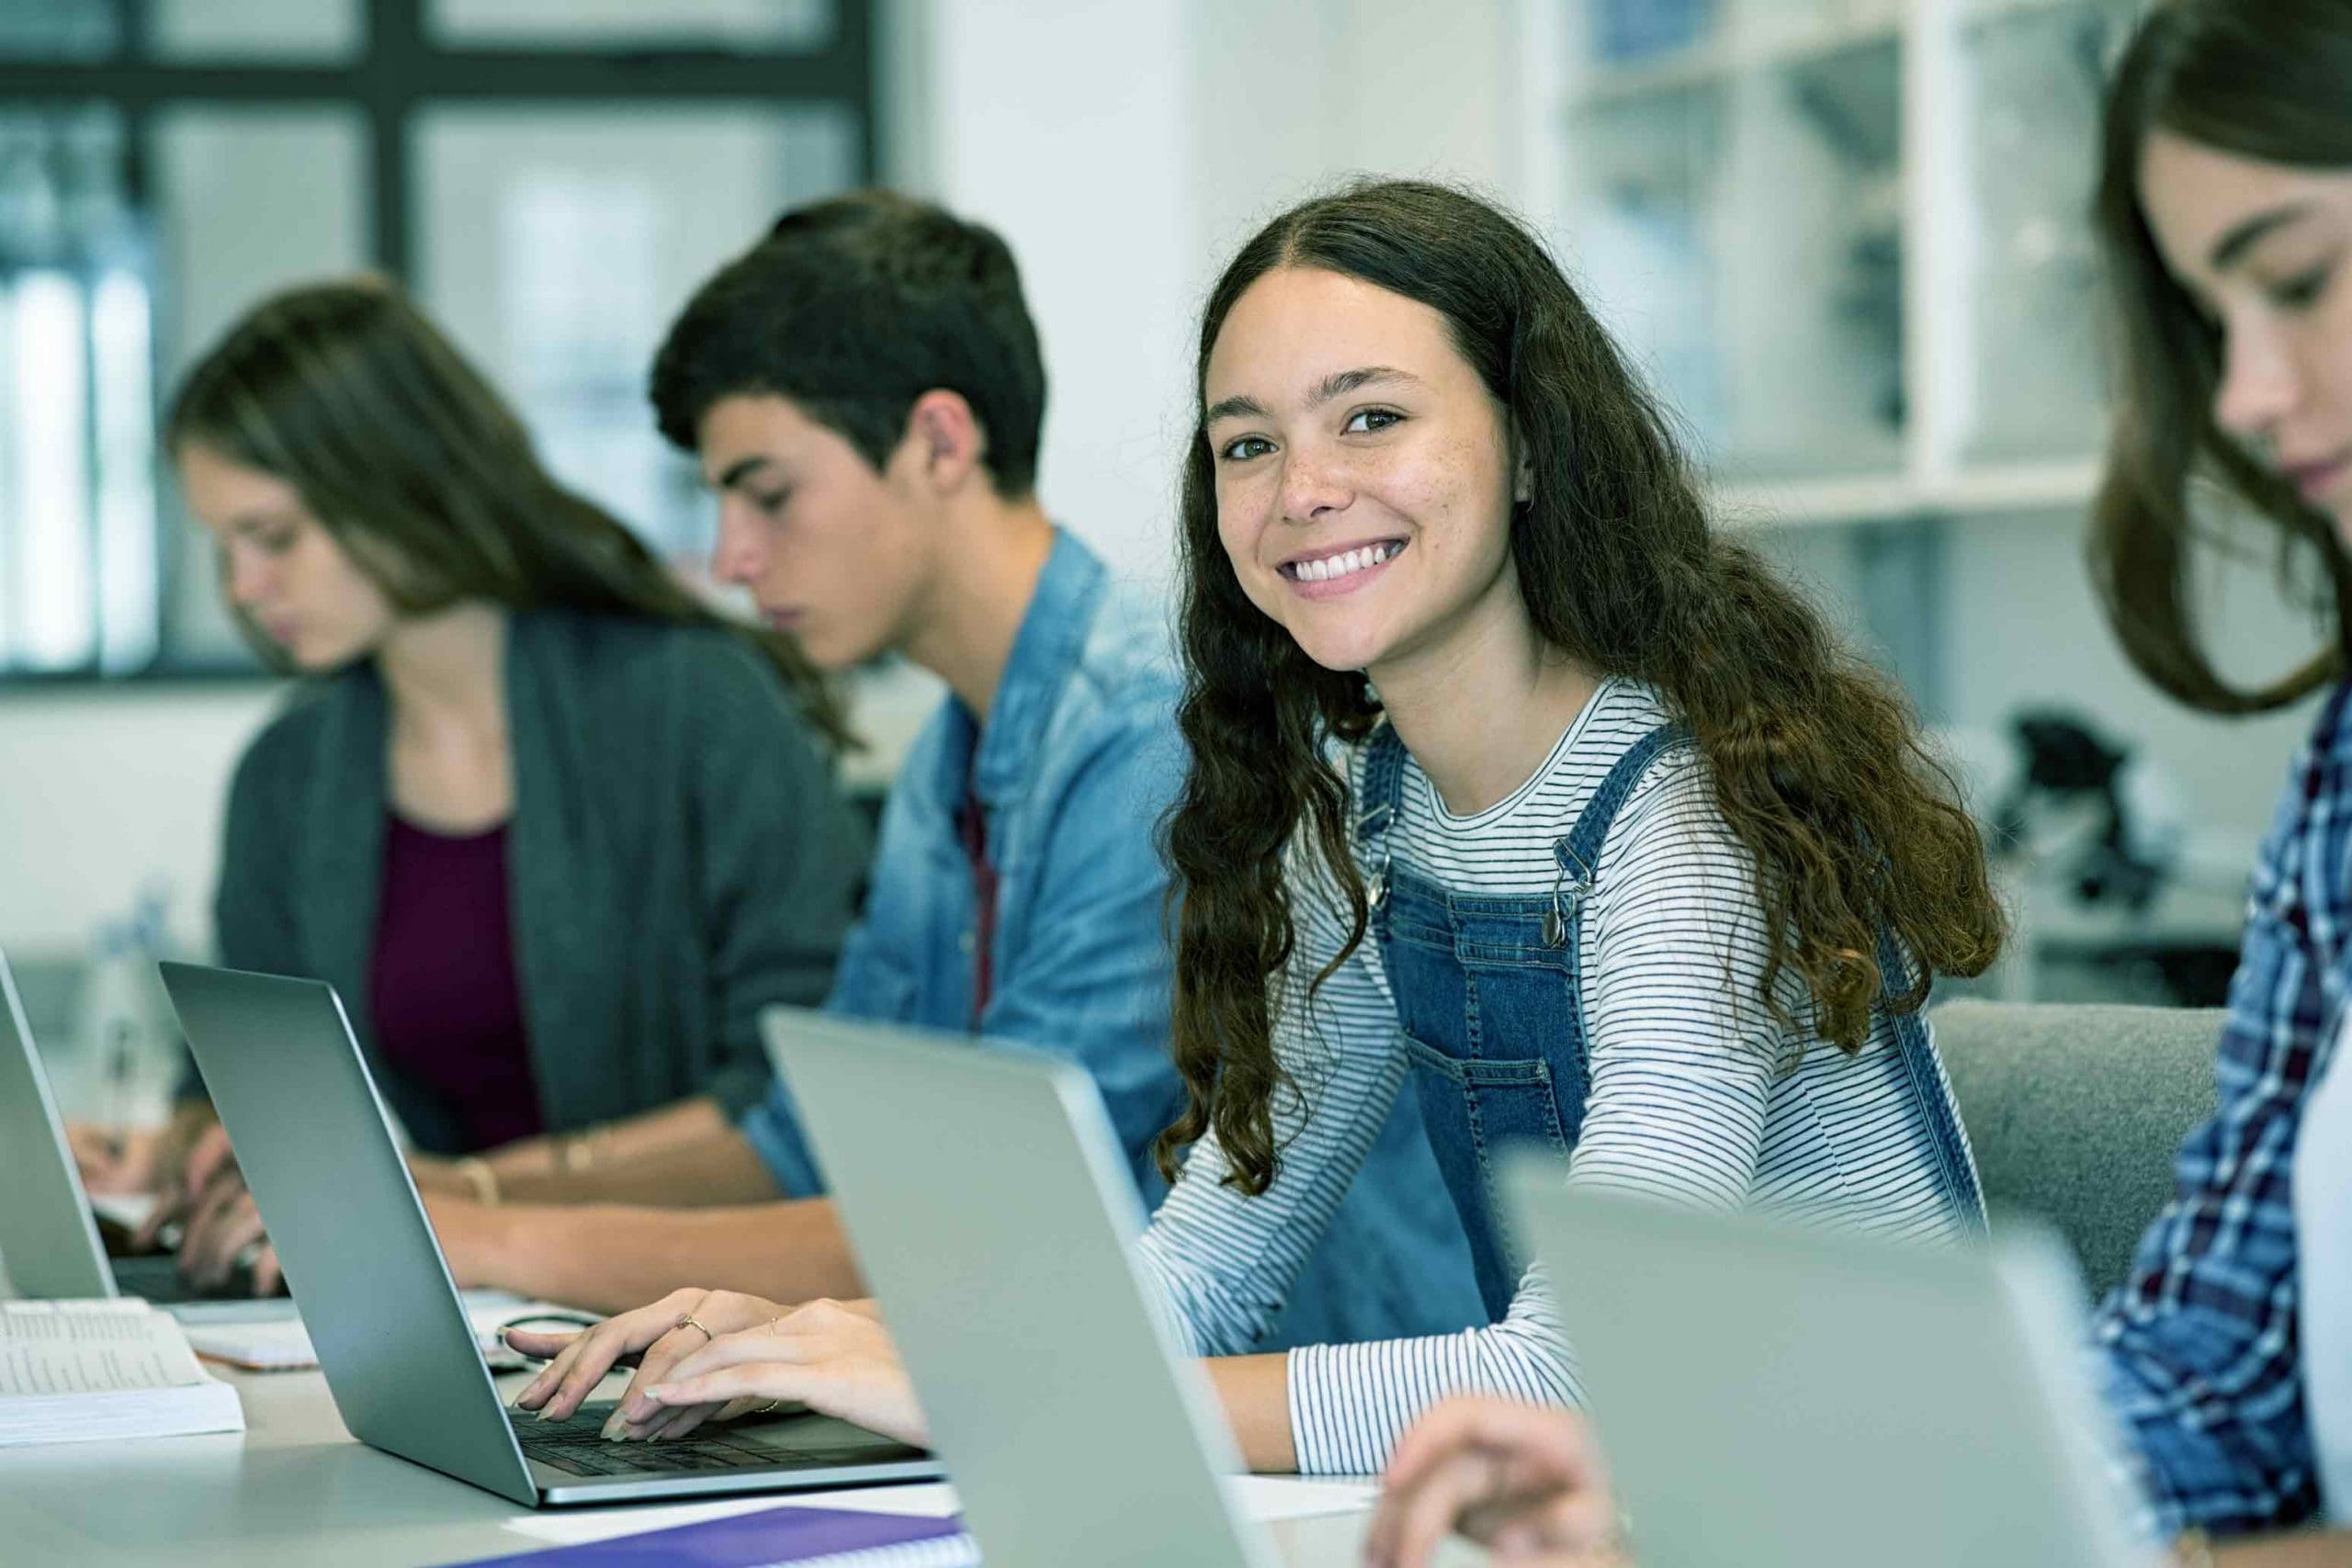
(2225, 212)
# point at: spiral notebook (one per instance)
(803, 1537)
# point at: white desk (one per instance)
(294, 1488)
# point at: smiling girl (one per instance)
(1517, 789)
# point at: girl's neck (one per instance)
(445, 673)
(1482, 710)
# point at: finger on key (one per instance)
(667, 1425)
(674, 1346)
(540, 1347)
(594, 1355)
(680, 1340)
(610, 1342)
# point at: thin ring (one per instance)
(767, 1408)
(686, 1320)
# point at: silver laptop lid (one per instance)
(48, 1242)
(993, 1214)
(1775, 1395)
(317, 1152)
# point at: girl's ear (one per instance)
(1523, 470)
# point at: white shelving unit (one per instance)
(1850, 237)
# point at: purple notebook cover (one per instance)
(742, 1540)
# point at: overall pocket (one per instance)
(1474, 1109)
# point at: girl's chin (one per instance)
(1345, 657)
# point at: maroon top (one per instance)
(972, 830)
(448, 1012)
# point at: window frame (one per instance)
(399, 70)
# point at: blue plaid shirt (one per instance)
(2199, 1347)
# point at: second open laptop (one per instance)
(317, 1151)
(994, 1215)
(49, 1235)
(1774, 1395)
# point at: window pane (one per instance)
(611, 24)
(2033, 79)
(48, 588)
(58, 29)
(73, 388)
(557, 246)
(251, 201)
(320, 31)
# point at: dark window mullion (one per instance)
(396, 58)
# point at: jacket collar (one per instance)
(1003, 755)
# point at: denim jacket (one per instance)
(1076, 764)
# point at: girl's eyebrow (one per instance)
(1336, 385)
(1234, 408)
(254, 522)
(2231, 247)
(1339, 383)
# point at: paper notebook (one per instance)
(802, 1537)
(75, 1371)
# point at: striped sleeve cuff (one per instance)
(1349, 1403)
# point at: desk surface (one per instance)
(294, 1488)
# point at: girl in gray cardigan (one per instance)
(554, 830)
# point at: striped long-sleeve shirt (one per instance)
(1697, 1095)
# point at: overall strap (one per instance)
(1383, 794)
(1577, 853)
(1917, 1050)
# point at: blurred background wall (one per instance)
(1844, 238)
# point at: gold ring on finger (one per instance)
(686, 1320)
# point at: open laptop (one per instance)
(49, 1239)
(317, 1151)
(1771, 1395)
(994, 1215)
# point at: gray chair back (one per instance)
(2075, 1112)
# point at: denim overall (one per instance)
(1489, 994)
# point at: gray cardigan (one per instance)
(678, 857)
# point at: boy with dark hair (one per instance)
(865, 391)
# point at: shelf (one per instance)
(1717, 60)
(1984, 491)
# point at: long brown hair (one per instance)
(426, 479)
(1817, 762)
(2263, 79)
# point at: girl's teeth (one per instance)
(1355, 560)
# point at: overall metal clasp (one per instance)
(1565, 892)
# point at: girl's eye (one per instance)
(1366, 421)
(2302, 292)
(275, 544)
(1243, 448)
(772, 505)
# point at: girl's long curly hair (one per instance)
(1816, 761)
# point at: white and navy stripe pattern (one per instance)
(1698, 1097)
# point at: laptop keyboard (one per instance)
(577, 1447)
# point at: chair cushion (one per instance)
(2075, 1112)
